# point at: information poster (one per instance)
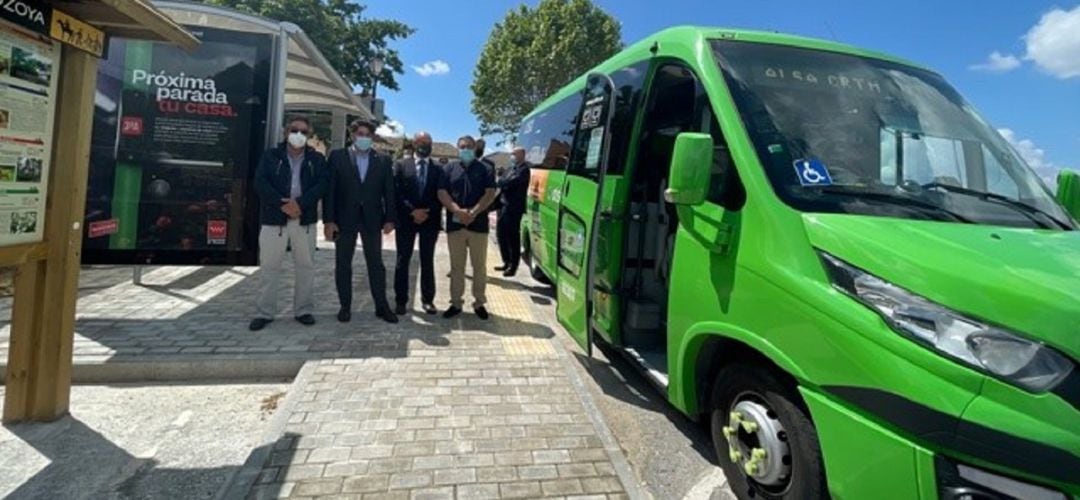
(28, 67)
(177, 136)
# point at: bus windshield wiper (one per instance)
(896, 199)
(1028, 210)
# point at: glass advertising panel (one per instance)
(177, 136)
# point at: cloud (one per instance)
(998, 63)
(1054, 43)
(392, 128)
(432, 68)
(1033, 155)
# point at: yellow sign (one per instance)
(76, 33)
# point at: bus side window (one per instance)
(546, 137)
(629, 94)
(629, 90)
(670, 111)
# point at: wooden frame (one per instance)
(43, 316)
(39, 366)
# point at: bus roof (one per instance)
(690, 35)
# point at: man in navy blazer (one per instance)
(291, 179)
(361, 202)
(417, 179)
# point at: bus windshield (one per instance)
(847, 134)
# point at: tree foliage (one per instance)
(337, 27)
(533, 53)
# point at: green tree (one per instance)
(532, 53)
(337, 27)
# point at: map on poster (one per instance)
(28, 67)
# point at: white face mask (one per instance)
(297, 140)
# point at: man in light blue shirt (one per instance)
(361, 203)
(362, 165)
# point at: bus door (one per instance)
(579, 210)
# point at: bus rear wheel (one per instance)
(764, 439)
(530, 260)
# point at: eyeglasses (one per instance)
(296, 130)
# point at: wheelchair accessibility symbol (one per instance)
(812, 173)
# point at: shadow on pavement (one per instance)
(106, 470)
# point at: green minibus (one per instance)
(823, 252)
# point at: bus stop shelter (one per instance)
(311, 85)
(50, 72)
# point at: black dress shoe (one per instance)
(344, 315)
(501, 268)
(482, 313)
(400, 310)
(453, 311)
(509, 273)
(430, 309)
(306, 319)
(388, 317)
(259, 323)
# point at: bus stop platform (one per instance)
(427, 408)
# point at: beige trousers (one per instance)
(467, 245)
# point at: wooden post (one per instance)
(43, 316)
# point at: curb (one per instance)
(241, 482)
(618, 459)
(172, 369)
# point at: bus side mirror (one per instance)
(1068, 192)
(691, 165)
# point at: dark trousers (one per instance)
(345, 248)
(406, 239)
(508, 231)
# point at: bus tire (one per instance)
(774, 451)
(534, 270)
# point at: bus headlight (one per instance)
(993, 350)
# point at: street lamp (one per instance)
(376, 64)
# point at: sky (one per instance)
(1017, 62)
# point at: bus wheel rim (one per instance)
(757, 443)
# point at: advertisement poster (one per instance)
(177, 136)
(28, 67)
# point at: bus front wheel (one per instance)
(764, 439)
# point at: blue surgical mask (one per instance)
(362, 143)
(467, 155)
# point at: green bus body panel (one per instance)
(1069, 189)
(607, 309)
(1042, 417)
(754, 278)
(863, 459)
(1027, 280)
(578, 203)
(543, 223)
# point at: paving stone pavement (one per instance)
(426, 409)
(201, 313)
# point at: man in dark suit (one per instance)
(513, 190)
(361, 202)
(416, 179)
